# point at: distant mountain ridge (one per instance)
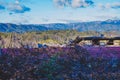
(108, 25)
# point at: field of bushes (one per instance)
(60, 63)
(17, 40)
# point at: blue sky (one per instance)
(57, 11)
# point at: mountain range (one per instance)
(100, 26)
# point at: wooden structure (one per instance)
(113, 41)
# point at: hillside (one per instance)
(99, 26)
(7, 27)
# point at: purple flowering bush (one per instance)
(56, 63)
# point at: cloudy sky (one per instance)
(57, 11)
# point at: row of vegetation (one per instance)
(58, 36)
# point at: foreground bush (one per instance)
(52, 63)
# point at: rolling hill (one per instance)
(100, 26)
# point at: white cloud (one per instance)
(79, 3)
(73, 3)
(2, 7)
(116, 5)
(109, 5)
(14, 7)
(17, 2)
(17, 7)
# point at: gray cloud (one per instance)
(110, 5)
(73, 3)
(103, 17)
